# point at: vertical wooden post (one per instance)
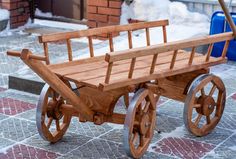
(225, 49)
(154, 60)
(164, 34)
(148, 37)
(45, 47)
(91, 46)
(108, 74)
(130, 39)
(209, 52)
(173, 59)
(111, 42)
(131, 69)
(68, 42)
(192, 56)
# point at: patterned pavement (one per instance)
(19, 137)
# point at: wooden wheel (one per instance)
(51, 122)
(139, 124)
(204, 104)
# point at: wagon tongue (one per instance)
(228, 16)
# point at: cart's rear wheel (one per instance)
(139, 123)
(51, 122)
(204, 104)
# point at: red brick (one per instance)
(101, 24)
(97, 17)
(109, 11)
(14, 13)
(92, 24)
(92, 9)
(14, 20)
(22, 4)
(101, 3)
(23, 18)
(6, 6)
(115, 4)
(114, 19)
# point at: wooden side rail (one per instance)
(109, 30)
(154, 51)
(31, 56)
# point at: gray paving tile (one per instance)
(69, 142)
(5, 143)
(2, 116)
(16, 129)
(88, 129)
(28, 115)
(221, 153)
(172, 109)
(228, 121)
(230, 106)
(167, 124)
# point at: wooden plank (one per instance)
(131, 70)
(148, 37)
(101, 30)
(209, 52)
(172, 64)
(130, 39)
(123, 68)
(111, 42)
(171, 46)
(192, 56)
(154, 61)
(225, 49)
(45, 47)
(164, 34)
(68, 43)
(108, 74)
(90, 40)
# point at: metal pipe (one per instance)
(228, 16)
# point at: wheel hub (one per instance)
(53, 109)
(144, 124)
(207, 105)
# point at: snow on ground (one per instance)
(4, 14)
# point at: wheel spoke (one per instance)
(198, 119)
(197, 105)
(135, 137)
(203, 92)
(49, 122)
(142, 139)
(145, 110)
(212, 90)
(208, 119)
(58, 125)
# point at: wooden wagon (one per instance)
(90, 88)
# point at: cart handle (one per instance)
(228, 16)
(18, 54)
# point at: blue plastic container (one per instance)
(217, 27)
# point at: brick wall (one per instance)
(103, 13)
(19, 11)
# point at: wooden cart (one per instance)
(149, 72)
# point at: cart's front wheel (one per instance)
(139, 123)
(51, 122)
(204, 104)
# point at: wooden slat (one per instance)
(45, 47)
(154, 60)
(108, 74)
(69, 48)
(111, 42)
(164, 34)
(225, 49)
(148, 37)
(192, 56)
(124, 68)
(171, 46)
(130, 39)
(131, 70)
(101, 30)
(209, 52)
(172, 64)
(90, 40)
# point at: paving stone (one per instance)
(151, 155)
(27, 152)
(19, 95)
(3, 80)
(88, 128)
(69, 142)
(10, 106)
(172, 109)
(98, 149)
(167, 124)
(5, 143)
(16, 129)
(28, 115)
(3, 117)
(183, 148)
(221, 153)
(230, 106)
(230, 143)
(228, 121)
(2, 89)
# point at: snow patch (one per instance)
(43, 14)
(233, 148)
(178, 132)
(4, 14)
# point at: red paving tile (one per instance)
(183, 148)
(27, 152)
(10, 106)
